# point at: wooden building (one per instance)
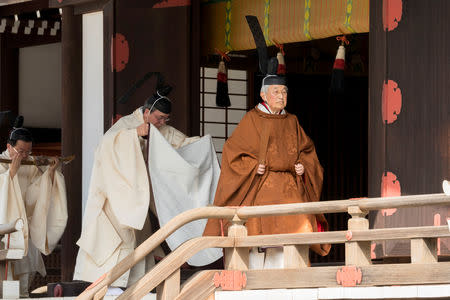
(389, 134)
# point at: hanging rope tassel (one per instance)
(337, 85)
(280, 57)
(222, 97)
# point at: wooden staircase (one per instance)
(358, 270)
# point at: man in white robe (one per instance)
(116, 218)
(37, 195)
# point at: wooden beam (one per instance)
(357, 253)
(237, 258)
(373, 275)
(9, 75)
(109, 98)
(339, 237)
(168, 265)
(169, 288)
(9, 2)
(23, 7)
(161, 271)
(296, 256)
(199, 286)
(71, 127)
(90, 7)
(21, 40)
(194, 87)
(424, 251)
(342, 205)
(65, 3)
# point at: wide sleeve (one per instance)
(313, 170)
(46, 204)
(313, 179)
(238, 178)
(11, 208)
(123, 177)
(176, 138)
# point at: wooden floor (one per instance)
(381, 292)
(148, 297)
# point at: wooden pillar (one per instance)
(194, 103)
(169, 288)
(71, 127)
(109, 108)
(237, 258)
(357, 253)
(296, 256)
(9, 75)
(408, 112)
(424, 251)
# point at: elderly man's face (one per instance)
(157, 118)
(276, 97)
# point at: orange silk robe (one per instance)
(279, 142)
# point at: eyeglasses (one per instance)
(22, 152)
(161, 118)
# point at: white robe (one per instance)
(183, 179)
(116, 216)
(42, 205)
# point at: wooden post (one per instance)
(357, 253)
(237, 258)
(296, 256)
(100, 295)
(424, 251)
(71, 126)
(169, 288)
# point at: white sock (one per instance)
(256, 259)
(274, 258)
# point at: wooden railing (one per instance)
(424, 267)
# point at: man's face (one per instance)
(157, 118)
(21, 148)
(276, 97)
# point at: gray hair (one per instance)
(265, 88)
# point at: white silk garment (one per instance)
(116, 219)
(184, 179)
(42, 204)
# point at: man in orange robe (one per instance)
(270, 160)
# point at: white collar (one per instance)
(267, 110)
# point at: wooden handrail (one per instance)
(171, 263)
(255, 211)
(11, 227)
(152, 242)
(337, 206)
(188, 249)
(339, 237)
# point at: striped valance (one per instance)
(283, 21)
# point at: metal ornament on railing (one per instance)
(230, 280)
(349, 276)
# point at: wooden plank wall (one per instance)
(415, 147)
(158, 39)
